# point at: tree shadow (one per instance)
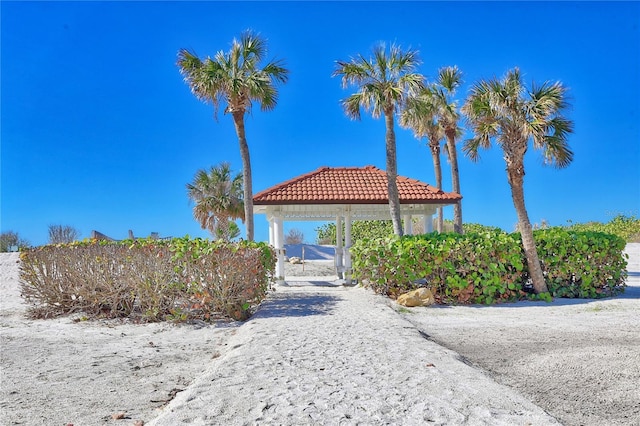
(296, 304)
(312, 283)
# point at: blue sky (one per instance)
(99, 131)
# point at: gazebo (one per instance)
(344, 194)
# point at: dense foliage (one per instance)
(582, 264)
(147, 280)
(625, 227)
(360, 230)
(369, 229)
(490, 267)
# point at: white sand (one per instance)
(578, 359)
(55, 372)
(322, 354)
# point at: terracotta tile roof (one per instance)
(350, 185)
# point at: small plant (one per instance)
(10, 241)
(62, 234)
(295, 236)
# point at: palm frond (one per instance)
(251, 46)
(351, 106)
(276, 71)
(556, 151)
(471, 149)
(450, 78)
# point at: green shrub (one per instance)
(470, 268)
(360, 230)
(625, 227)
(490, 266)
(372, 229)
(581, 264)
(471, 228)
(147, 280)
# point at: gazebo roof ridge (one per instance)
(355, 185)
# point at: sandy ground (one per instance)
(317, 353)
(578, 359)
(59, 371)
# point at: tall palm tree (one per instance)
(384, 82)
(217, 197)
(419, 114)
(235, 78)
(449, 79)
(506, 112)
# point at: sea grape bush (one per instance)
(469, 268)
(490, 266)
(360, 230)
(624, 226)
(582, 264)
(147, 280)
(373, 229)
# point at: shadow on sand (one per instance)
(294, 304)
(630, 292)
(301, 282)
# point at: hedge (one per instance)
(490, 266)
(147, 280)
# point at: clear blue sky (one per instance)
(99, 131)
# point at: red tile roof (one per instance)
(350, 185)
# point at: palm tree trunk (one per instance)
(437, 168)
(515, 175)
(392, 174)
(238, 121)
(455, 178)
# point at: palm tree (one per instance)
(449, 79)
(384, 82)
(419, 114)
(218, 200)
(235, 78)
(506, 112)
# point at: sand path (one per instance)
(338, 355)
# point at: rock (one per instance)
(295, 260)
(419, 297)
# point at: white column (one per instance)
(271, 234)
(408, 225)
(347, 248)
(428, 223)
(339, 264)
(278, 233)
